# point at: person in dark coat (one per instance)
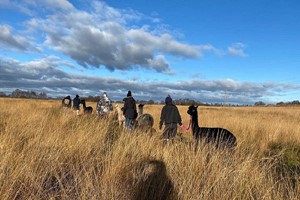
(66, 102)
(129, 110)
(170, 116)
(76, 102)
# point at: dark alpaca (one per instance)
(86, 109)
(220, 137)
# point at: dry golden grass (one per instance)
(50, 153)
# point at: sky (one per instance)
(212, 51)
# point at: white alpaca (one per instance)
(121, 117)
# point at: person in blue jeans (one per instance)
(129, 110)
(76, 102)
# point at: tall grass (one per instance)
(50, 153)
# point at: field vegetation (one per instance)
(47, 152)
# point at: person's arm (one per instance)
(124, 108)
(162, 118)
(179, 117)
(134, 105)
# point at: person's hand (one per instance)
(183, 127)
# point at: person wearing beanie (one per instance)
(168, 99)
(76, 103)
(129, 110)
(170, 116)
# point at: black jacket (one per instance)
(76, 102)
(170, 114)
(129, 110)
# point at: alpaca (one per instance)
(121, 117)
(220, 137)
(86, 109)
(144, 121)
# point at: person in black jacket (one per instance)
(170, 116)
(76, 104)
(129, 110)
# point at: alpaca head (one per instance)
(192, 110)
(82, 101)
(119, 108)
(141, 105)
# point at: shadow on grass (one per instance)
(153, 182)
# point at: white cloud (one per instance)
(61, 4)
(237, 49)
(102, 37)
(45, 75)
(11, 41)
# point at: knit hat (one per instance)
(168, 99)
(129, 93)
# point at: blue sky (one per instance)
(246, 51)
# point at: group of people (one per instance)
(104, 105)
(170, 116)
(67, 103)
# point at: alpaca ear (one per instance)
(196, 106)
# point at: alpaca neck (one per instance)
(119, 110)
(83, 105)
(195, 125)
(140, 111)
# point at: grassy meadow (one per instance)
(47, 152)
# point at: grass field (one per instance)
(50, 153)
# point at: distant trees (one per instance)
(186, 101)
(295, 102)
(259, 103)
(2, 94)
(28, 94)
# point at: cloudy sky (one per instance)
(207, 50)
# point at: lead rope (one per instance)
(186, 128)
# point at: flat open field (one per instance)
(50, 153)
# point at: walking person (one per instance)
(129, 110)
(76, 103)
(104, 105)
(66, 102)
(170, 116)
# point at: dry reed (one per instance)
(50, 153)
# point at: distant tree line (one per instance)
(289, 103)
(25, 94)
(295, 102)
(186, 101)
